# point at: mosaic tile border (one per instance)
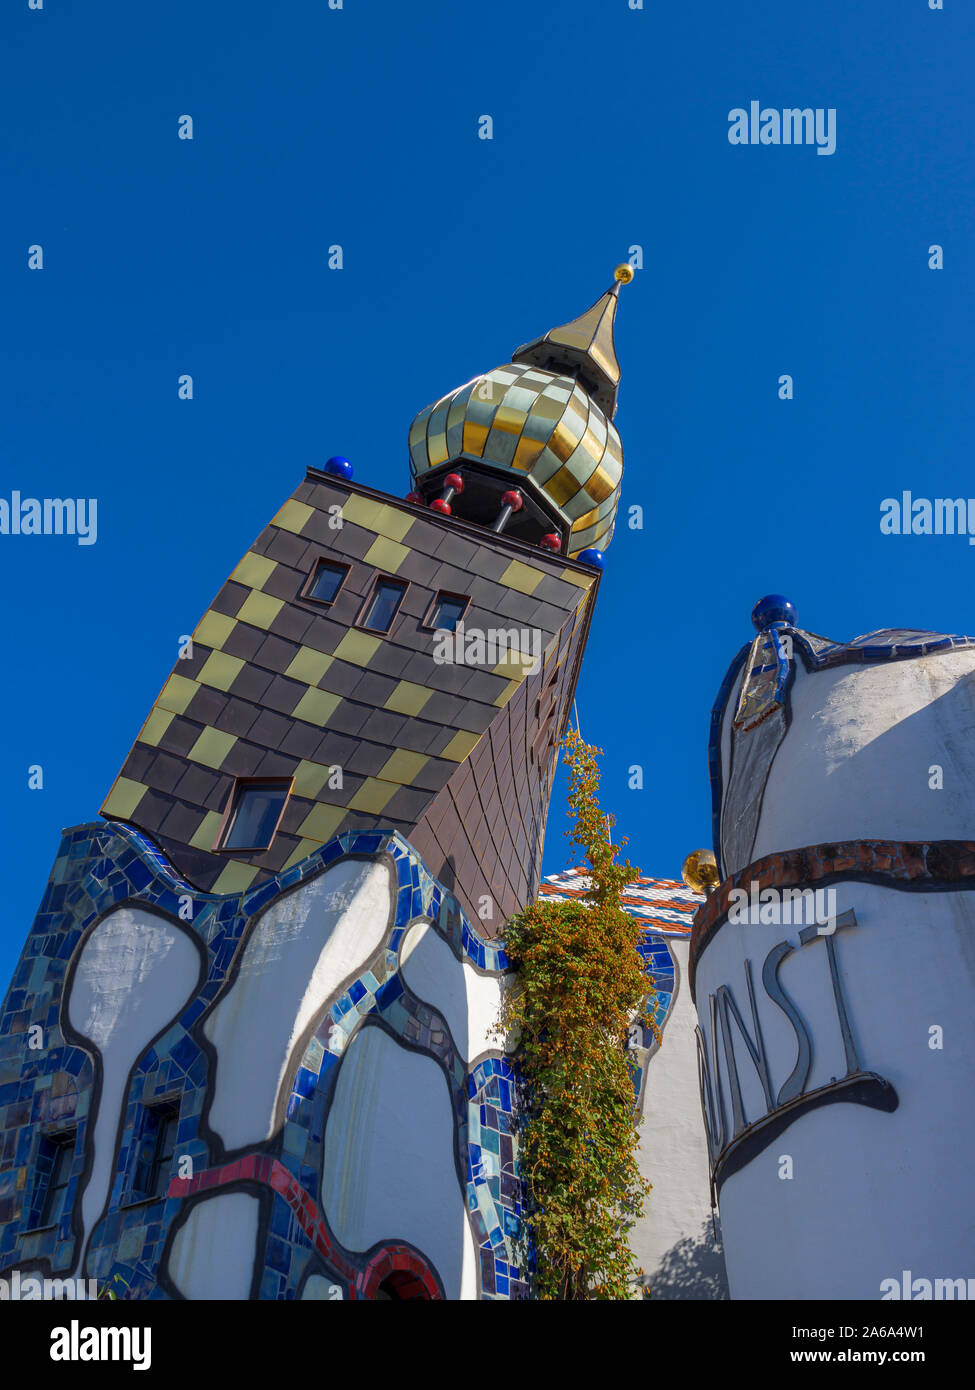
(100, 866)
(926, 867)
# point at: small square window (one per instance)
(255, 812)
(446, 611)
(325, 581)
(383, 604)
(57, 1186)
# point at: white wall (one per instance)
(213, 1251)
(872, 1193)
(300, 951)
(674, 1242)
(135, 973)
(854, 763)
(389, 1159)
(468, 1001)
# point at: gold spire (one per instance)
(584, 347)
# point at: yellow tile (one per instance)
(301, 851)
(123, 798)
(408, 698)
(376, 516)
(316, 706)
(516, 663)
(235, 878)
(363, 511)
(214, 629)
(460, 746)
(394, 524)
(322, 821)
(402, 766)
(220, 670)
(155, 726)
(177, 693)
(507, 693)
(357, 647)
(292, 516)
(204, 836)
(513, 667)
(211, 747)
(386, 554)
(259, 609)
(521, 577)
(581, 581)
(372, 796)
(254, 570)
(310, 778)
(308, 665)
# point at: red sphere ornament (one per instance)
(551, 542)
(439, 505)
(455, 481)
(513, 500)
(414, 497)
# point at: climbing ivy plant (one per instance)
(581, 986)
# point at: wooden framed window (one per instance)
(383, 603)
(253, 814)
(446, 611)
(325, 582)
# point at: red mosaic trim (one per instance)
(391, 1260)
(900, 862)
(272, 1173)
(404, 1266)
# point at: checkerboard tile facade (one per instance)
(367, 727)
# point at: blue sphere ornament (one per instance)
(773, 608)
(593, 557)
(341, 467)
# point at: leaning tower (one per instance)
(248, 1050)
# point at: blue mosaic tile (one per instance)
(99, 865)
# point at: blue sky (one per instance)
(359, 127)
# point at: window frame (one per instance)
(428, 626)
(306, 589)
(64, 1143)
(242, 784)
(380, 577)
(149, 1157)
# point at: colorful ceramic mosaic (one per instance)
(47, 1091)
(659, 904)
(766, 677)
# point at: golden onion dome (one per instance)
(545, 418)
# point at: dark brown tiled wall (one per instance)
(474, 797)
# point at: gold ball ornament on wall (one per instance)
(700, 872)
(624, 273)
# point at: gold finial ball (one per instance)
(700, 871)
(624, 273)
